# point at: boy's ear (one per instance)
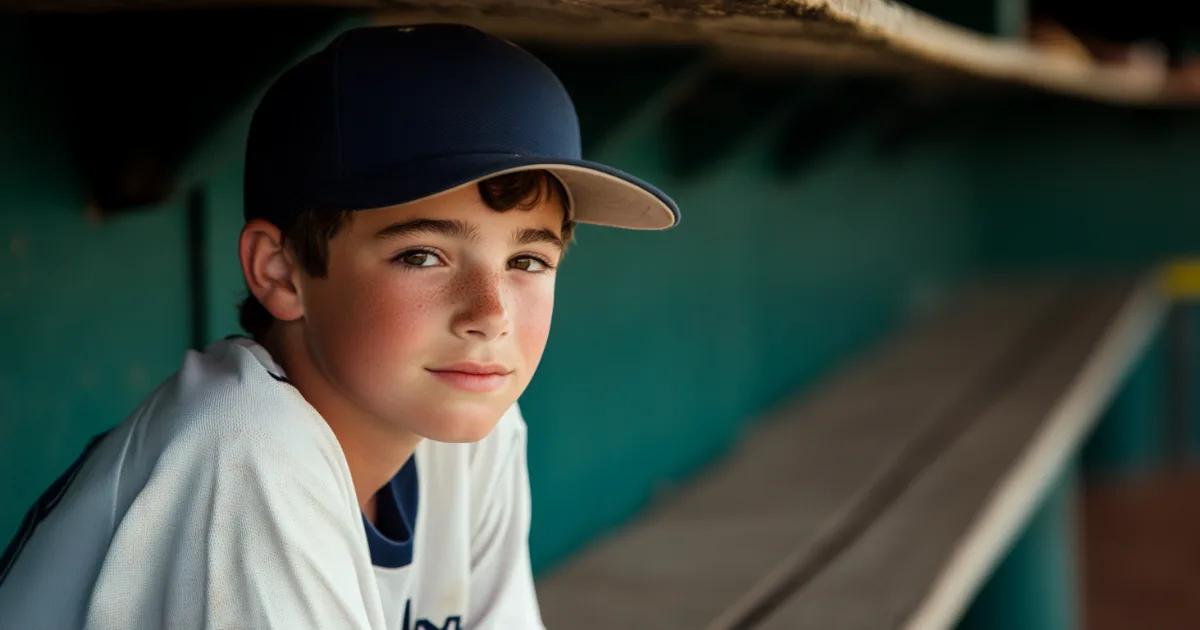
(269, 270)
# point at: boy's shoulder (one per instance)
(230, 402)
(234, 389)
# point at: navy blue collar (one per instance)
(391, 540)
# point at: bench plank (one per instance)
(794, 480)
(919, 564)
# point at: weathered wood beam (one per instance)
(854, 35)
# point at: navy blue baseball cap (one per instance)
(387, 115)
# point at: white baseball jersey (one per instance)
(224, 501)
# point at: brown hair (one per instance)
(310, 231)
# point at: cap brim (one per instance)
(600, 195)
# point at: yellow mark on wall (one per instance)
(1182, 279)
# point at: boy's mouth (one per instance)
(472, 377)
(471, 367)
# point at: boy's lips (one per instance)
(471, 376)
(471, 367)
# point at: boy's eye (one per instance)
(418, 258)
(529, 263)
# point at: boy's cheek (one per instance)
(372, 330)
(386, 311)
(534, 321)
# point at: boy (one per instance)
(359, 463)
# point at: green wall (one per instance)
(92, 314)
(1087, 188)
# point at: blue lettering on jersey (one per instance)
(451, 623)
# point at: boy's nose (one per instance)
(484, 315)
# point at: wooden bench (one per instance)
(885, 496)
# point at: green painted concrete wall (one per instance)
(92, 314)
(1087, 188)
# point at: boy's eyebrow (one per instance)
(529, 236)
(460, 229)
(443, 227)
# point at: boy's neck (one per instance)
(374, 450)
(373, 458)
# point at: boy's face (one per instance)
(434, 315)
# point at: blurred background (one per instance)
(844, 169)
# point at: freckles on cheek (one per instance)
(397, 317)
(388, 324)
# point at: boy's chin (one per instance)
(459, 425)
